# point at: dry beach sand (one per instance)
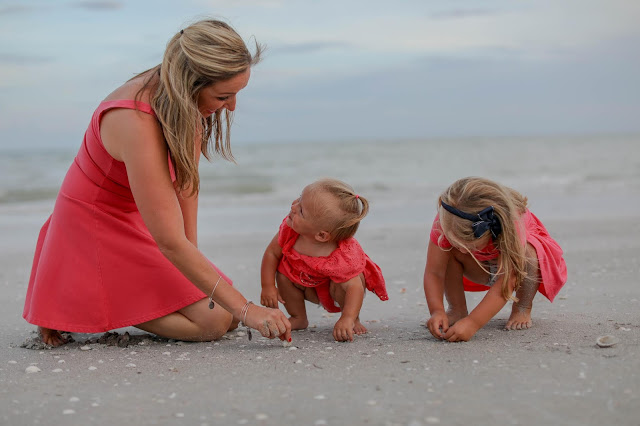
(397, 374)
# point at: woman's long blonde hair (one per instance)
(204, 53)
(472, 195)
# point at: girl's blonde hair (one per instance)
(352, 208)
(204, 53)
(472, 195)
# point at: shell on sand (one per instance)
(606, 341)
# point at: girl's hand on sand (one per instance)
(271, 323)
(343, 330)
(438, 324)
(461, 331)
(270, 297)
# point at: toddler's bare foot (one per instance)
(298, 323)
(455, 315)
(358, 328)
(520, 318)
(51, 337)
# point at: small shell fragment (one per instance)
(606, 341)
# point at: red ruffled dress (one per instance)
(345, 262)
(553, 268)
(96, 266)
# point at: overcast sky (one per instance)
(339, 69)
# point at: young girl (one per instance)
(485, 238)
(314, 257)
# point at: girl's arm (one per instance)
(270, 260)
(136, 139)
(489, 306)
(434, 276)
(353, 298)
(491, 303)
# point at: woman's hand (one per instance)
(438, 324)
(462, 331)
(270, 297)
(269, 322)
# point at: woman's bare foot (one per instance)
(51, 337)
(358, 328)
(520, 318)
(298, 323)
(455, 315)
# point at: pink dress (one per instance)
(553, 269)
(345, 262)
(96, 266)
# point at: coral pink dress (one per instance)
(553, 268)
(96, 266)
(345, 262)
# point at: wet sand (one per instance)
(397, 374)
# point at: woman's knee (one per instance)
(214, 330)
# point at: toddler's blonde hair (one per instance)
(352, 208)
(472, 195)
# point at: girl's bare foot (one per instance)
(358, 328)
(51, 337)
(455, 315)
(520, 318)
(298, 323)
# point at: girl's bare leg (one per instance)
(338, 293)
(520, 318)
(461, 265)
(195, 322)
(51, 337)
(293, 302)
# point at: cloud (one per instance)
(310, 47)
(99, 5)
(20, 60)
(13, 9)
(461, 13)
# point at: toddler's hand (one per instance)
(343, 330)
(462, 331)
(270, 297)
(438, 324)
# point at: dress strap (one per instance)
(124, 103)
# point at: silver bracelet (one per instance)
(243, 314)
(211, 304)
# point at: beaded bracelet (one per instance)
(211, 304)
(243, 314)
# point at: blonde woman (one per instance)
(485, 238)
(120, 248)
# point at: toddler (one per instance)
(485, 238)
(315, 257)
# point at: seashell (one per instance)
(606, 341)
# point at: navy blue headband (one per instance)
(482, 222)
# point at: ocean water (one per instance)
(564, 177)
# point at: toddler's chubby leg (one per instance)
(520, 318)
(293, 297)
(51, 337)
(350, 308)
